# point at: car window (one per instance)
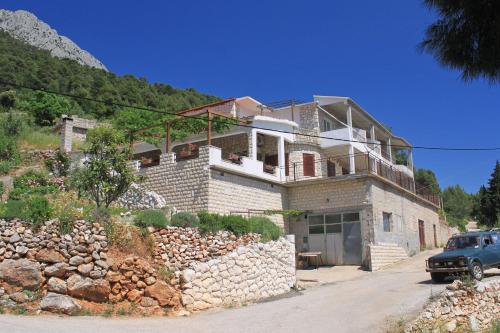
(494, 238)
(463, 242)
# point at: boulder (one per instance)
(85, 269)
(57, 270)
(92, 290)
(164, 293)
(57, 285)
(148, 302)
(49, 256)
(59, 304)
(19, 297)
(76, 260)
(22, 273)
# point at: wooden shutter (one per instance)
(308, 165)
(287, 164)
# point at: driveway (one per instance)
(360, 304)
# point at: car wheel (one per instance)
(438, 277)
(476, 271)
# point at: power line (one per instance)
(231, 123)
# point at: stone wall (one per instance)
(461, 309)
(249, 273)
(385, 254)
(232, 193)
(138, 198)
(308, 124)
(406, 210)
(183, 184)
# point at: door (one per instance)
(352, 242)
(334, 247)
(421, 234)
(317, 239)
(435, 235)
(489, 251)
(308, 165)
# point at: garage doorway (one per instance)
(421, 234)
(337, 236)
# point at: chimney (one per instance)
(66, 133)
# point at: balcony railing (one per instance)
(364, 163)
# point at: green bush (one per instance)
(59, 164)
(7, 166)
(151, 218)
(264, 226)
(12, 126)
(37, 210)
(12, 209)
(8, 148)
(185, 220)
(239, 225)
(31, 183)
(210, 222)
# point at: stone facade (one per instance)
(247, 274)
(184, 184)
(232, 193)
(74, 128)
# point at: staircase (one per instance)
(384, 254)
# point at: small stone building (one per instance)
(328, 158)
(73, 128)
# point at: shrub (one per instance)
(37, 210)
(31, 183)
(8, 148)
(236, 224)
(12, 126)
(6, 166)
(2, 188)
(210, 222)
(185, 220)
(264, 226)
(151, 218)
(59, 164)
(67, 217)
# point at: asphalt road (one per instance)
(362, 304)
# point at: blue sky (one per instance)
(274, 50)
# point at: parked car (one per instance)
(466, 253)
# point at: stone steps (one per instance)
(385, 254)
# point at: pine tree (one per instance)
(487, 211)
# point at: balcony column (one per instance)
(349, 121)
(352, 165)
(372, 135)
(253, 153)
(410, 159)
(281, 157)
(389, 149)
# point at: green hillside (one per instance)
(27, 65)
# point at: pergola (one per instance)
(224, 109)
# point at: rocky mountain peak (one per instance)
(27, 27)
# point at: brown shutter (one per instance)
(308, 164)
(287, 164)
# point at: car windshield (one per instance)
(462, 242)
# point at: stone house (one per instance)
(350, 175)
(73, 128)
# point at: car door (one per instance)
(488, 251)
(495, 237)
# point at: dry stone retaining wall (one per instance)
(247, 274)
(138, 198)
(461, 309)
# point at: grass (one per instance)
(108, 312)
(82, 312)
(19, 310)
(36, 138)
(164, 274)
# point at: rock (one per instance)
(457, 284)
(473, 324)
(85, 269)
(92, 290)
(19, 297)
(58, 270)
(26, 27)
(134, 295)
(22, 250)
(95, 274)
(76, 260)
(57, 285)
(23, 273)
(59, 304)
(451, 325)
(148, 302)
(14, 238)
(150, 280)
(49, 256)
(102, 264)
(164, 293)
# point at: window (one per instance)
(308, 165)
(387, 221)
(327, 125)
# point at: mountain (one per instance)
(30, 66)
(27, 27)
